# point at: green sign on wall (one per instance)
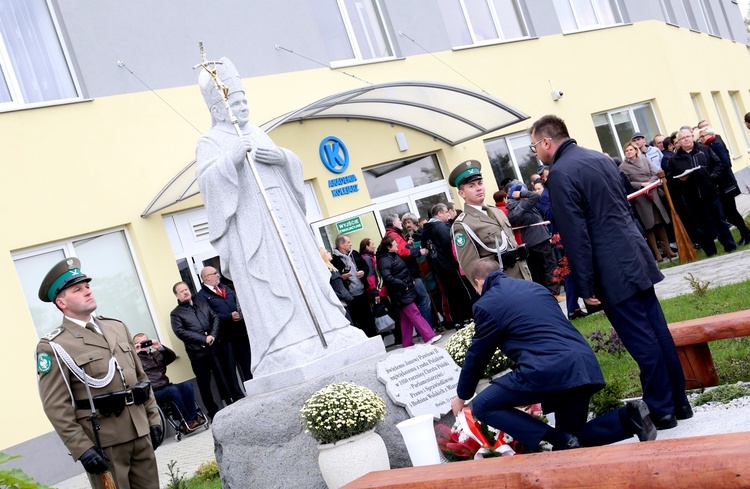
(349, 226)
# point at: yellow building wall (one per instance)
(86, 167)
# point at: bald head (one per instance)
(210, 276)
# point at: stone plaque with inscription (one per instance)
(422, 379)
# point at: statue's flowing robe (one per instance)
(281, 330)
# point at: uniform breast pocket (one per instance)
(127, 349)
(93, 363)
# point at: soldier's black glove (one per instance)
(94, 461)
(157, 436)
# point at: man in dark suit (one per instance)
(611, 263)
(554, 365)
(232, 328)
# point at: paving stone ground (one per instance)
(720, 270)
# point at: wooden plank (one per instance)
(705, 461)
(698, 365)
(712, 328)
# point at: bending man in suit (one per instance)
(554, 366)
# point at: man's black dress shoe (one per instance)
(683, 412)
(639, 420)
(666, 422)
(570, 443)
(578, 313)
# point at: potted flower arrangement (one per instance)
(342, 417)
(459, 343)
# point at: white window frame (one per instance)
(690, 15)
(712, 27)
(696, 99)
(354, 43)
(630, 109)
(496, 23)
(597, 13)
(668, 11)
(728, 140)
(509, 143)
(738, 113)
(66, 246)
(9, 73)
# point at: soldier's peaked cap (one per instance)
(61, 276)
(466, 172)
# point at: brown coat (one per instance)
(638, 173)
(486, 228)
(92, 352)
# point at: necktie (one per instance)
(221, 292)
(93, 327)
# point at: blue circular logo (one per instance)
(334, 155)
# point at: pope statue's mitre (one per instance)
(227, 74)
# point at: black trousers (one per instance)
(234, 333)
(361, 313)
(733, 216)
(204, 367)
(640, 324)
(542, 265)
(459, 299)
(496, 406)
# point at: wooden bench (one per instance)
(705, 461)
(692, 337)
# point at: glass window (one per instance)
(720, 109)
(353, 30)
(615, 128)
(116, 283)
(510, 157)
(737, 107)
(690, 14)
(401, 175)
(34, 66)
(366, 227)
(478, 21)
(585, 14)
(668, 11)
(709, 17)
(697, 104)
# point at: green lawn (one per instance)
(731, 356)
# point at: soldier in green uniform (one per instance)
(483, 230)
(98, 351)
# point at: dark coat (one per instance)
(436, 237)
(524, 320)
(359, 262)
(229, 329)
(608, 256)
(726, 182)
(700, 184)
(155, 364)
(522, 212)
(397, 279)
(409, 255)
(337, 284)
(192, 323)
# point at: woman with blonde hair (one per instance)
(649, 206)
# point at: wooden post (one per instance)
(684, 243)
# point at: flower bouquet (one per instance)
(459, 343)
(339, 411)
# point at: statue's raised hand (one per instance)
(241, 147)
(269, 155)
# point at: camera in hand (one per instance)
(147, 343)
(347, 269)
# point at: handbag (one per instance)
(383, 322)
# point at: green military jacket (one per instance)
(92, 352)
(487, 228)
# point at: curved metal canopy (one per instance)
(446, 112)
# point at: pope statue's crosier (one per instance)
(282, 333)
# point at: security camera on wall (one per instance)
(556, 95)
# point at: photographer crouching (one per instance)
(155, 357)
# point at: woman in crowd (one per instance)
(337, 283)
(650, 209)
(400, 285)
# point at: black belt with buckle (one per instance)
(115, 402)
(510, 257)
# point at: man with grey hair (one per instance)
(699, 170)
(353, 269)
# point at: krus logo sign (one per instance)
(334, 155)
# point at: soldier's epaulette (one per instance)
(460, 217)
(53, 334)
(107, 319)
